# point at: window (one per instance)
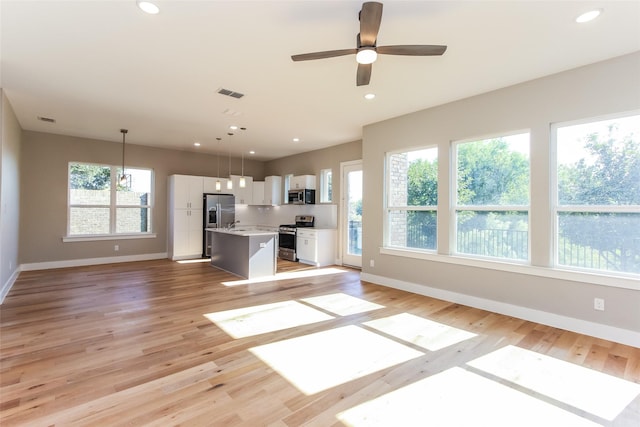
(287, 187)
(326, 195)
(491, 197)
(412, 199)
(99, 205)
(597, 212)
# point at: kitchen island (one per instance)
(246, 252)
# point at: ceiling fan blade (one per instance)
(364, 74)
(324, 54)
(412, 50)
(370, 18)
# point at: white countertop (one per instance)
(243, 231)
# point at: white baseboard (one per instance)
(90, 261)
(6, 287)
(598, 330)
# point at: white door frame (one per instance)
(343, 224)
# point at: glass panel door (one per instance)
(351, 220)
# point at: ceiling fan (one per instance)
(366, 51)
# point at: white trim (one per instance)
(498, 264)
(108, 237)
(90, 261)
(6, 287)
(611, 333)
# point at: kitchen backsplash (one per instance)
(326, 216)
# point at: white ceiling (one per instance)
(98, 66)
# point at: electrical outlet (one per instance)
(372, 263)
(116, 248)
(598, 304)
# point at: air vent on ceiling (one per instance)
(46, 119)
(223, 91)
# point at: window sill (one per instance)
(94, 238)
(626, 282)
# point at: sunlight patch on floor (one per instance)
(287, 275)
(457, 397)
(417, 330)
(342, 304)
(260, 319)
(592, 391)
(193, 261)
(322, 360)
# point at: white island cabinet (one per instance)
(316, 246)
(185, 216)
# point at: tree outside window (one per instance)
(492, 197)
(598, 195)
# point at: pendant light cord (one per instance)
(124, 132)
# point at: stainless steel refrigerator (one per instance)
(219, 212)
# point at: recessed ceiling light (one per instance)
(233, 127)
(252, 152)
(370, 96)
(296, 139)
(588, 16)
(148, 7)
(197, 144)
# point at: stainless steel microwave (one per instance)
(302, 197)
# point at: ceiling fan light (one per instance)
(366, 55)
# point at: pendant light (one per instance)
(123, 177)
(218, 185)
(229, 182)
(243, 182)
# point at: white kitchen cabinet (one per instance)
(210, 185)
(303, 182)
(244, 196)
(187, 191)
(185, 216)
(273, 190)
(258, 193)
(316, 246)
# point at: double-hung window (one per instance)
(597, 194)
(491, 197)
(99, 205)
(412, 199)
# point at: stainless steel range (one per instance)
(287, 236)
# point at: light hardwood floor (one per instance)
(157, 343)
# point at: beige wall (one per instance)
(43, 209)
(604, 88)
(9, 194)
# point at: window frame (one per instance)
(556, 208)
(388, 207)
(113, 206)
(455, 208)
(326, 185)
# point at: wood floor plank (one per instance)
(130, 344)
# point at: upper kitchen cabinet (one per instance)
(244, 196)
(258, 193)
(210, 185)
(273, 190)
(303, 182)
(186, 191)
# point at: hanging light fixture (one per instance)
(229, 182)
(124, 180)
(243, 182)
(218, 184)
